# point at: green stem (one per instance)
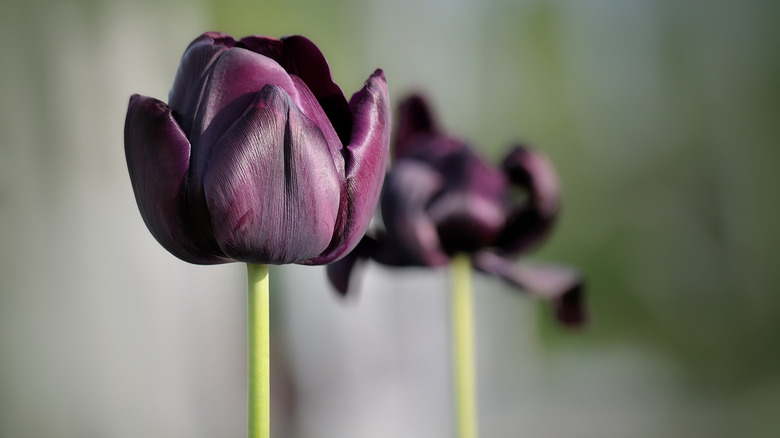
(259, 354)
(463, 346)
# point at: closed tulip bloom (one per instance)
(441, 199)
(258, 157)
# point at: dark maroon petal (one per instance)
(570, 308)
(301, 57)
(562, 285)
(192, 75)
(234, 80)
(365, 161)
(267, 46)
(158, 155)
(414, 118)
(530, 222)
(466, 221)
(340, 272)
(308, 62)
(408, 190)
(271, 185)
(469, 213)
(236, 76)
(220, 38)
(308, 105)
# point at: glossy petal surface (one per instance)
(365, 159)
(271, 186)
(260, 158)
(194, 69)
(158, 155)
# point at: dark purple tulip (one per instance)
(441, 199)
(258, 157)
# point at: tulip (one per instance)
(258, 157)
(440, 199)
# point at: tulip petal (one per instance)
(408, 190)
(158, 153)
(469, 213)
(310, 64)
(562, 285)
(192, 74)
(378, 247)
(233, 83)
(365, 166)
(271, 186)
(529, 224)
(414, 118)
(301, 57)
(308, 105)
(233, 80)
(340, 272)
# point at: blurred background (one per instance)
(660, 115)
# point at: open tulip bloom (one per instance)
(259, 158)
(442, 204)
(440, 199)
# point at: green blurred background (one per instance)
(661, 116)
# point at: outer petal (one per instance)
(233, 80)
(158, 155)
(233, 83)
(564, 286)
(271, 186)
(409, 189)
(365, 163)
(530, 223)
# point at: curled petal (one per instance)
(529, 224)
(271, 185)
(158, 155)
(408, 191)
(559, 284)
(365, 161)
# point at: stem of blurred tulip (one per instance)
(259, 354)
(463, 346)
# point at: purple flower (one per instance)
(441, 199)
(258, 157)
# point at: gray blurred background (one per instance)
(661, 117)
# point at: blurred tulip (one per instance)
(258, 157)
(441, 199)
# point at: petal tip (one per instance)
(378, 74)
(570, 309)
